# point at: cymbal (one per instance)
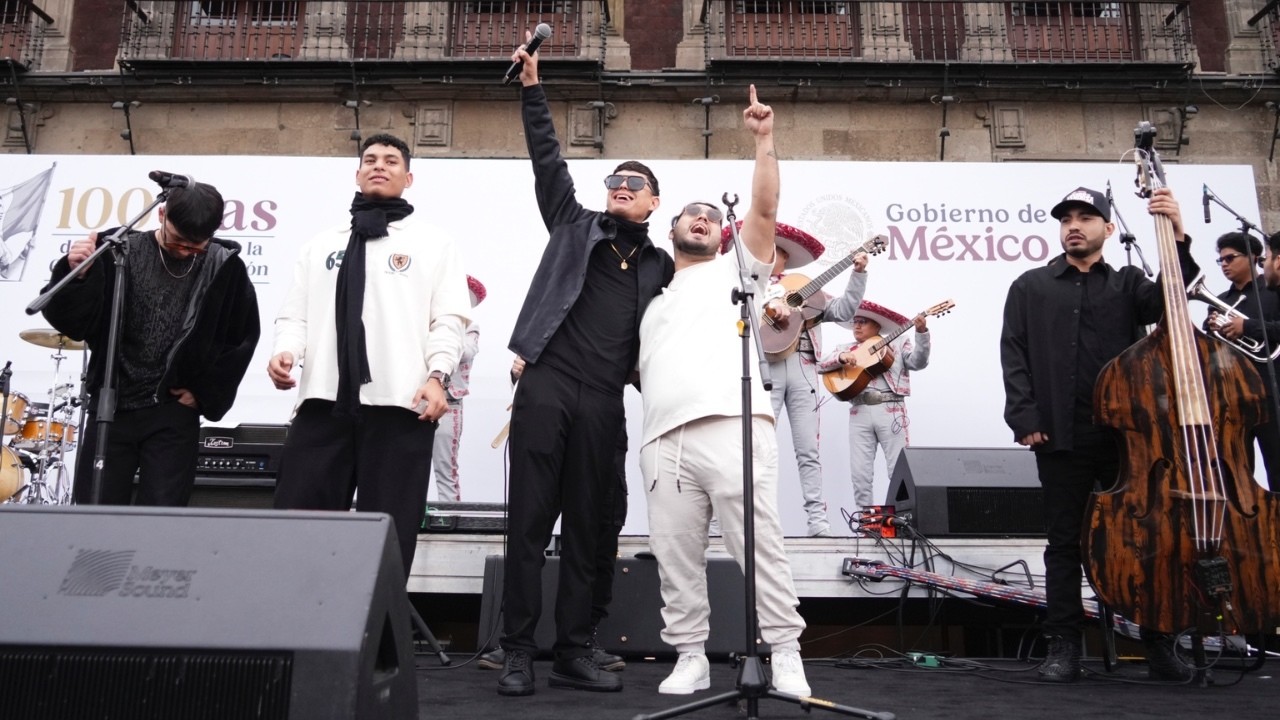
(46, 337)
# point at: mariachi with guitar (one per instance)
(874, 355)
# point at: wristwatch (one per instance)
(440, 375)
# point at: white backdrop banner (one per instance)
(962, 231)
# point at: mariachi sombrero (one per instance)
(801, 247)
(890, 322)
(476, 288)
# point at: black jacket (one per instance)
(218, 336)
(575, 231)
(1038, 343)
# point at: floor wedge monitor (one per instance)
(142, 613)
(975, 492)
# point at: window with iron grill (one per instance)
(800, 7)
(257, 11)
(1075, 9)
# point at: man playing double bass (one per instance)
(1062, 323)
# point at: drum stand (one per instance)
(46, 456)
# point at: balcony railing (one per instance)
(1267, 21)
(357, 30)
(22, 32)
(1121, 31)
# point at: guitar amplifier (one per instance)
(236, 467)
(241, 450)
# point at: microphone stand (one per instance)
(1246, 228)
(1127, 238)
(105, 412)
(752, 682)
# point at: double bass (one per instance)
(1186, 541)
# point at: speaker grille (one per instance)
(144, 685)
(995, 511)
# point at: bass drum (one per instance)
(10, 473)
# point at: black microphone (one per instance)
(169, 181)
(540, 33)
(1206, 197)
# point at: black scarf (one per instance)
(369, 218)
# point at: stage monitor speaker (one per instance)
(974, 492)
(147, 613)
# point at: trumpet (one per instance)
(1253, 349)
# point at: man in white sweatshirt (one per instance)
(375, 316)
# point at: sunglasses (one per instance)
(634, 183)
(193, 249)
(695, 209)
(1226, 259)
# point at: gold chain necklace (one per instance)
(165, 265)
(624, 260)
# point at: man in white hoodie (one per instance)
(367, 413)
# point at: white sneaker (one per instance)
(692, 673)
(788, 673)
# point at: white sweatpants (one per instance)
(690, 472)
(872, 426)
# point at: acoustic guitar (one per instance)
(780, 336)
(869, 359)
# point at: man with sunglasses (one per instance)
(170, 369)
(1238, 255)
(577, 332)
(691, 454)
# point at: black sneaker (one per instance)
(492, 660)
(606, 661)
(517, 674)
(1163, 662)
(582, 673)
(1062, 664)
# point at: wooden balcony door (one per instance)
(1071, 31)
(238, 29)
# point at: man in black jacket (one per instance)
(189, 329)
(1062, 323)
(578, 332)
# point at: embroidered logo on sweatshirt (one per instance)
(398, 262)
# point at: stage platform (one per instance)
(453, 563)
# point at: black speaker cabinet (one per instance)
(119, 612)
(634, 623)
(975, 492)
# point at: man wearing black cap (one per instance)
(1062, 323)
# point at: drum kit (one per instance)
(39, 435)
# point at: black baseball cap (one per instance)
(1091, 199)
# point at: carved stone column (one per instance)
(883, 32)
(691, 53)
(1245, 54)
(986, 33)
(426, 31)
(324, 29)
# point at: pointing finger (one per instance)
(753, 95)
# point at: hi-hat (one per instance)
(45, 337)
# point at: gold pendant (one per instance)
(623, 265)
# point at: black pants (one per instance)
(1268, 439)
(386, 457)
(610, 526)
(564, 436)
(1068, 478)
(159, 444)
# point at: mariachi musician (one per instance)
(792, 347)
(878, 413)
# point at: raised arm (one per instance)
(553, 186)
(758, 225)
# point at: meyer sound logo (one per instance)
(96, 573)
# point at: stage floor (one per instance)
(958, 689)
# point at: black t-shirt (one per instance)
(157, 297)
(598, 338)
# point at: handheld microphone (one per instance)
(169, 181)
(540, 33)
(1205, 198)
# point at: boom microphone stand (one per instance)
(105, 413)
(1127, 238)
(752, 682)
